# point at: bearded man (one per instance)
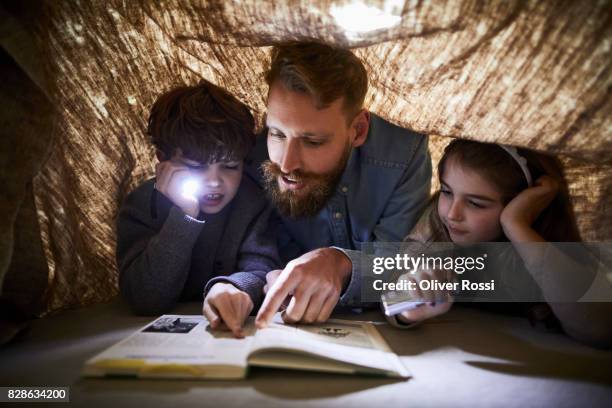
(338, 175)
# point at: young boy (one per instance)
(199, 228)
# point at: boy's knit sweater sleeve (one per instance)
(257, 256)
(153, 265)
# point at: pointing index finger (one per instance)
(274, 299)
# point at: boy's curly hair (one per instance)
(206, 122)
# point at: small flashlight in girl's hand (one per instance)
(393, 306)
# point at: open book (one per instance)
(175, 346)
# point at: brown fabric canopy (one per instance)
(529, 73)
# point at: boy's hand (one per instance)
(227, 306)
(170, 177)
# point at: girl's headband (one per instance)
(522, 162)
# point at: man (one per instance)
(337, 174)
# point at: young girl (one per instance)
(491, 193)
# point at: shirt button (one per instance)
(344, 189)
(338, 215)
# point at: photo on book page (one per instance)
(171, 325)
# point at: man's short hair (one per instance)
(325, 72)
(206, 122)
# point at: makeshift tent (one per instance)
(80, 76)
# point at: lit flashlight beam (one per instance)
(190, 188)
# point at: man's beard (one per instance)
(317, 190)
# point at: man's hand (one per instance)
(227, 306)
(170, 177)
(271, 277)
(315, 280)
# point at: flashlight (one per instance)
(190, 188)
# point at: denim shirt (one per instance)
(380, 197)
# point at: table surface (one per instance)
(466, 358)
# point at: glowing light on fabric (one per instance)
(357, 18)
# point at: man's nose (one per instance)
(455, 211)
(291, 159)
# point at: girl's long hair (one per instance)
(556, 223)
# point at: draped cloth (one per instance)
(533, 73)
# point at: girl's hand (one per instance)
(435, 302)
(425, 312)
(525, 208)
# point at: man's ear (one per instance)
(361, 125)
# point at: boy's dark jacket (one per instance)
(165, 256)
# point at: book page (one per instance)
(179, 341)
(355, 343)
